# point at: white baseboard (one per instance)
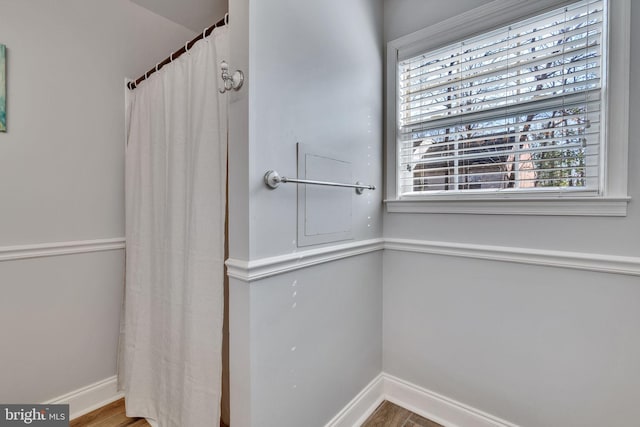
(89, 398)
(363, 405)
(438, 408)
(431, 405)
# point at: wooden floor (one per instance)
(390, 415)
(386, 415)
(112, 415)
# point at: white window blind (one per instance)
(514, 109)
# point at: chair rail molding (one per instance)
(40, 250)
(249, 271)
(603, 263)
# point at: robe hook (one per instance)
(233, 81)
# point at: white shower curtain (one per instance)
(171, 334)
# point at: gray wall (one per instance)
(535, 345)
(314, 76)
(316, 79)
(308, 362)
(193, 14)
(402, 17)
(61, 180)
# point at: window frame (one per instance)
(612, 199)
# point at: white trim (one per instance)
(436, 407)
(362, 406)
(549, 258)
(471, 22)
(613, 201)
(466, 24)
(89, 398)
(616, 97)
(427, 403)
(266, 267)
(39, 250)
(583, 206)
(249, 271)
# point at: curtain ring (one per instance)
(226, 18)
(157, 67)
(171, 57)
(146, 75)
(186, 48)
(204, 34)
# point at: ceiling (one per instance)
(193, 14)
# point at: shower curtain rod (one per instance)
(207, 31)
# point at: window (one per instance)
(516, 112)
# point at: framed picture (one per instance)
(3, 88)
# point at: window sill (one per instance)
(570, 206)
